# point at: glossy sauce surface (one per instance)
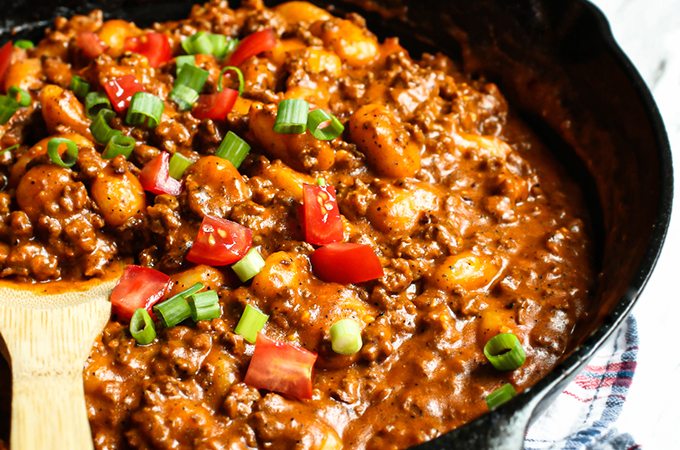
(478, 230)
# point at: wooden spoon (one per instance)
(49, 331)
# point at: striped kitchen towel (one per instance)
(583, 416)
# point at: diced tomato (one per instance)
(281, 367)
(346, 263)
(321, 217)
(155, 176)
(139, 287)
(215, 106)
(5, 59)
(220, 242)
(120, 91)
(155, 46)
(90, 44)
(253, 45)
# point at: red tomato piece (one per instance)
(155, 46)
(321, 217)
(253, 45)
(215, 106)
(120, 91)
(5, 59)
(220, 242)
(281, 367)
(346, 263)
(139, 287)
(155, 176)
(90, 44)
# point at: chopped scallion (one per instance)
(249, 266)
(252, 322)
(184, 96)
(233, 149)
(8, 106)
(94, 102)
(185, 59)
(232, 43)
(346, 337)
(173, 311)
(70, 155)
(145, 107)
(192, 77)
(178, 164)
(198, 43)
(142, 327)
(291, 117)
(330, 131)
(505, 352)
(79, 86)
(24, 44)
(119, 145)
(239, 74)
(500, 396)
(219, 45)
(100, 129)
(204, 305)
(22, 97)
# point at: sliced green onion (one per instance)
(79, 86)
(500, 396)
(9, 149)
(178, 164)
(94, 102)
(198, 43)
(204, 305)
(346, 337)
(184, 96)
(252, 322)
(100, 129)
(232, 44)
(249, 266)
(291, 117)
(192, 77)
(219, 45)
(22, 97)
(321, 181)
(145, 106)
(505, 352)
(233, 149)
(173, 311)
(119, 145)
(142, 327)
(24, 44)
(185, 59)
(241, 82)
(71, 153)
(8, 106)
(187, 292)
(327, 133)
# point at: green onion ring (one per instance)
(145, 107)
(142, 327)
(505, 352)
(327, 133)
(500, 396)
(241, 82)
(252, 322)
(119, 145)
(71, 152)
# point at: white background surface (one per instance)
(648, 31)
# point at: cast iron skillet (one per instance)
(557, 63)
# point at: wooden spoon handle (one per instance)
(48, 413)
